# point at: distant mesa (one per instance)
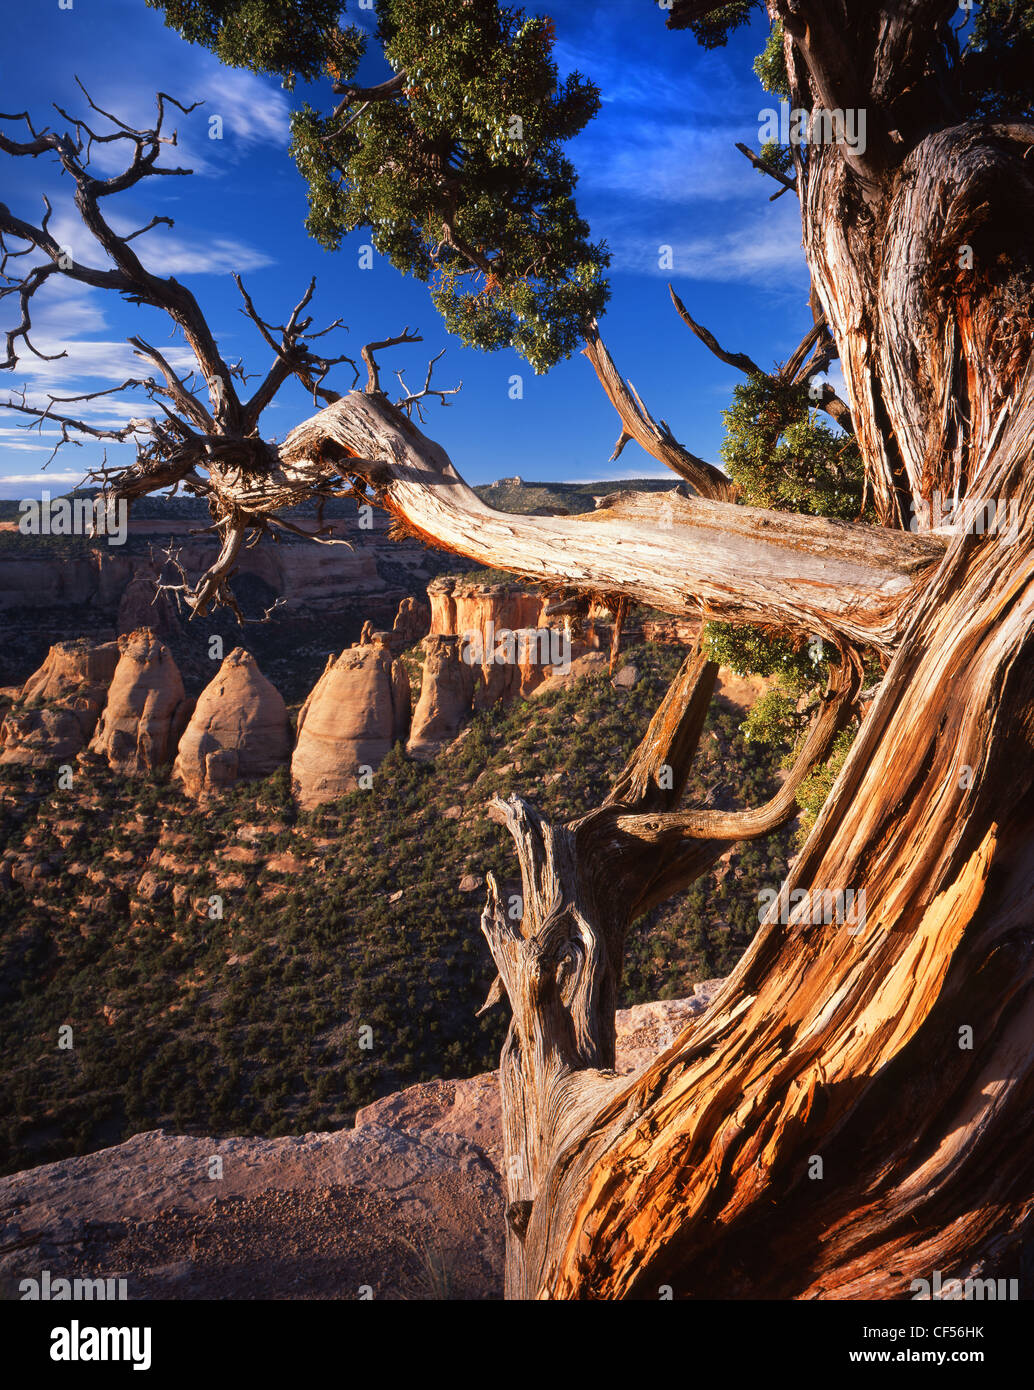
(239, 730)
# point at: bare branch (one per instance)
(293, 357)
(413, 398)
(739, 360)
(638, 424)
(789, 185)
(373, 382)
(177, 391)
(848, 582)
(836, 708)
(66, 423)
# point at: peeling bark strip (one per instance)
(835, 1042)
(583, 884)
(847, 582)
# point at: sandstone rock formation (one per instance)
(506, 630)
(239, 730)
(56, 710)
(356, 711)
(446, 696)
(461, 606)
(313, 1216)
(147, 709)
(412, 622)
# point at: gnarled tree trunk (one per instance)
(849, 1114)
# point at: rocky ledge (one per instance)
(405, 1205)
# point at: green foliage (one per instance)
(754, 651)
(784, 457)
(459, 177)
(777, 157)
(770, 64)
(249, 1023)
(462, 181)
(772, 719)
(997, 67)
(288, 38)
(714, 29)
(812, 793)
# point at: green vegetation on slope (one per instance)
(346, 917)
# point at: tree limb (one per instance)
(638, 424)
(851, 583)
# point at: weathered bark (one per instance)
(656, 438)
(845, 1040)
(583, 884)
(806, 574)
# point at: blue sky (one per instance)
(657, 167)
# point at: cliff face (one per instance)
(357, 710)
(57, 709)
(52, 590)
(495, 623)
(239, 729)
(146, 710)
(461, 606)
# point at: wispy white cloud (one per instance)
(161, 250)
(757, 249)
(40, 479)
(670, 163)
(61, 313)
(251, 111)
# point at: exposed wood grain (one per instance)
(848, 582)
